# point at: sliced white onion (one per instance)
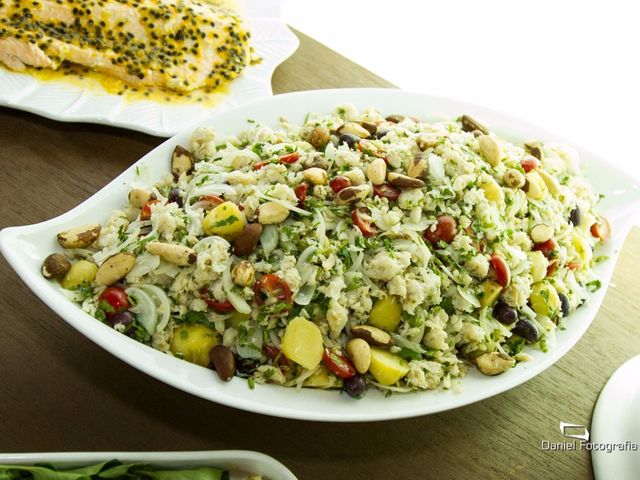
(321, 231)
(236, 300)
(145, 263)
(468, 296)
(404, 343)
(212, 189)
(145, 309)
(253, 348)
(198, 247)
(304, 295)
(162, 304)
(269, 239)
(286, 205)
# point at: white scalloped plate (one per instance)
(234, 460)
(68, 102)
(26, 247)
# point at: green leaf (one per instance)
(409, 354)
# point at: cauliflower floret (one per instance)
(211, 262)
(397, 286)
(478, 266)
(241, 178)
(109, 233)
(166, 219)
(273, 173)
(202, 142)
(411, 198)
(471, 332)
(518, 292)
(383, 267)
(289, 273)
(337, 317)
(424, 374)
(283, 192)
(333, 288)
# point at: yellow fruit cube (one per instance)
(493, 192)
(82, 272)
(539, 265)
(544, 299)
(490, 292)
(226, 220)
(321, 378)
(302, 343)
(386, 367)
(386, 313)
(192, 342)
(536, 188)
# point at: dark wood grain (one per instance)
(60, 392)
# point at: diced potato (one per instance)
(493, 192)
(192, 342)
(81, 272)
(386, 313)
(544, 299)
(302, 343)
(539, 265)
(490, 292)
(537, 189)
(225, 220)
(583, 249)
(321, 378)
(386, 367)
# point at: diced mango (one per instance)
(302, 343)
(321, 378)
(386, 313)
(492, 191)
(490, 292)
(82, 272)
(226, 220)
(192, 342)
(539, 264)
(583, 249)
(544, 299)
(536, 188)
(386, 367)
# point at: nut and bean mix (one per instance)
(354, 250)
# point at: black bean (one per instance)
(349, 139)
(565, 308)
(381, 133)
(527, 330)
(175, 196)
(575, 217)
(356, 386)
(505, 314)
(122, 321)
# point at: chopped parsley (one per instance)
(594, 285)
(226, 221)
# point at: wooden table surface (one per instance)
(60, 392)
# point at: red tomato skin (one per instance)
(274, 285)
(364, 226)
(290, 158)
(301, 193)
(547, 247)
(530, 163)
(338, 183)
(503, 272)
(338, 364)
(145, 212)
(386, 190)
(213, 200)
(116, 298)
(601, 229)
(446, 229)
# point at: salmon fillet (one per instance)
(177, 45)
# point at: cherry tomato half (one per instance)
(553, 266)
(259, 165)
(386, 190)
(573, 265)
(601, 229)
(210, 201)
(290, 158)
(445, 230)
(338, 363)
(338, 183)
(116, 298)
(529, 163)
(215, 305)
(271, 285)
(301, 193)
(548, 248)
(145, 213)
(365, 226)
(503, 272)
(275, 355)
